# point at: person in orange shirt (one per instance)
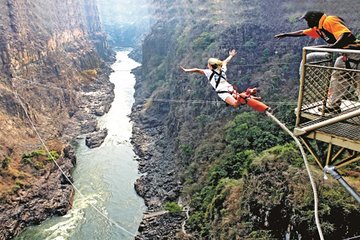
(330, 28)
(336, 34)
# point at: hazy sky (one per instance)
(123, 12)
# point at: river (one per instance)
(104, 175)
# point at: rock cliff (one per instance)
(195, 151)
(53, 78)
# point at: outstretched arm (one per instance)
(299, 33)
(232, 53)
(193, 70)
(344, 40)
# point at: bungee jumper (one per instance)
(216, 74)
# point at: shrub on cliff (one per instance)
(38, 159)
(90, 72)
(264, 195)
(172, 207)
(251, 131)
(5, 163)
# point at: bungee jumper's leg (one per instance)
(256, 105)
(248, 97)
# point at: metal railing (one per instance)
(320, 72)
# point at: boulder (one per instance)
(95, 139)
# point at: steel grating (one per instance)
(341, 129)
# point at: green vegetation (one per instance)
(16, 187)
(244, 175)
(53, 155)
(172, 207)
(252, 131)
(186, 150)
(271, 187)
(5, 163)
(203, 41)
(41, 154)
(90, 72)
(250, 44)
(38, 159)
(19, 184)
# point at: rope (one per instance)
(307, 169)
(62, 171)
(192, 101)
(351, 238)
(161, 100)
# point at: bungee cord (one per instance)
(313, 185)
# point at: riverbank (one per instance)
(159, 182)
(104, 175)
(50, 193)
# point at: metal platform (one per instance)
(312, 112)
(341, 129)
(332, 139)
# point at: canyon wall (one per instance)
(53, 82)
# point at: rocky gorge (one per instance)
(237, 174)
(159, 182)
(208, 171)
(54, 72)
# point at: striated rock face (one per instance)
(50, 56)
(54, 71)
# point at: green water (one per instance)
(104, 176)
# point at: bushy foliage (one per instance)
(172, 207)
(231, 166)
(271, 195)
(203, 41)
(252, 131)
(5, 163)
(39, 158)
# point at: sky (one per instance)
(123, 12)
